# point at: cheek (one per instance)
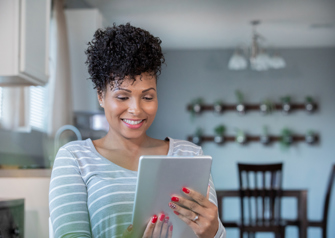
(116, 108)
(151, 108)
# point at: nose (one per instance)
(134, 107)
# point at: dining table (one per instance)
(299, 194)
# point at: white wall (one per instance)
(192, 74)
(81, 25)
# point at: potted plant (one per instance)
(240, 107)
(197, 138)
(286, 104)
(310, 137)
(218, 107)
(309, 104)
(219, 134)
(240, 137)
(286, 138)
(196, 106)
(265, 138)
(266, 107)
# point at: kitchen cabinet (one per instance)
(24, 40)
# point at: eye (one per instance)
(122, 98)
(148, 98)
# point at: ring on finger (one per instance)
(195, 218)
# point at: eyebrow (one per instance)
(130, 90)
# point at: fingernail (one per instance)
(175, 199)
(130, 228)
(167, 219)
(154, 219)
(172, 205)
(171, 227)
(161, 218)
(175, 212)
(185, 190)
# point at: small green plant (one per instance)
(220, 130)
(240, 136)
(199, 132)
(286, 138)
(239, 96)
(196, 107)
(309, 99)
(267, 106)
(285, 100)
(197, 136)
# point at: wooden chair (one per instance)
(260, 199)
(323, 223)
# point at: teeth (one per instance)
(132, 122)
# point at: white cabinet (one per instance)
(24, 41)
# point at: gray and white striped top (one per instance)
(89, 196)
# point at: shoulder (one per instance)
(184, 147)
(75, 147)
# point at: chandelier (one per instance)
(259, 59)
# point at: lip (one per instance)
(133, 126)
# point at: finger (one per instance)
(191, 205)
(165, 227)
(170, 231)
(127, 232)
(150, 227)
(158, 227)
(198, 197)
(186, 215)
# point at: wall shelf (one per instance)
(250, 138)
(253, 107)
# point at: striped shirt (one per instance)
(90, 196)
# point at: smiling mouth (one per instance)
(132, 122)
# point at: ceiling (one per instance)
(217, 24)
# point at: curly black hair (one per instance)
(122, 51)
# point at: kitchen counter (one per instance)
(32, 173)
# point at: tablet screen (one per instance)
(160, 177)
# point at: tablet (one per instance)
(159, 177)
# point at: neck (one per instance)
(115, 141)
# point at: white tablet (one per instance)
(159, 177)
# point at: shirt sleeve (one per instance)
(68, 198)
(221, 233)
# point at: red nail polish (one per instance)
(154, 219)
(185, 190)
(175, 212)
(167, 219)
(161, 218)
(172, 205)
(171, 227)
(175, 199)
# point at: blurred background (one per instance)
(251, 53)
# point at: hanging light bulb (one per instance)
(277, 62)
(259, 59)
(237, 61)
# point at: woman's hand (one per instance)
(201, 214)
(158, 227)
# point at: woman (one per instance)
(93, 183)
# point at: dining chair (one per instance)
(260, 198)
(323, 223)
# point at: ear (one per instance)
(101, 99)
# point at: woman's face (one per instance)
(131, 107)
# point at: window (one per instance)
(38, 106)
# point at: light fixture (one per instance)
(259, 59)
